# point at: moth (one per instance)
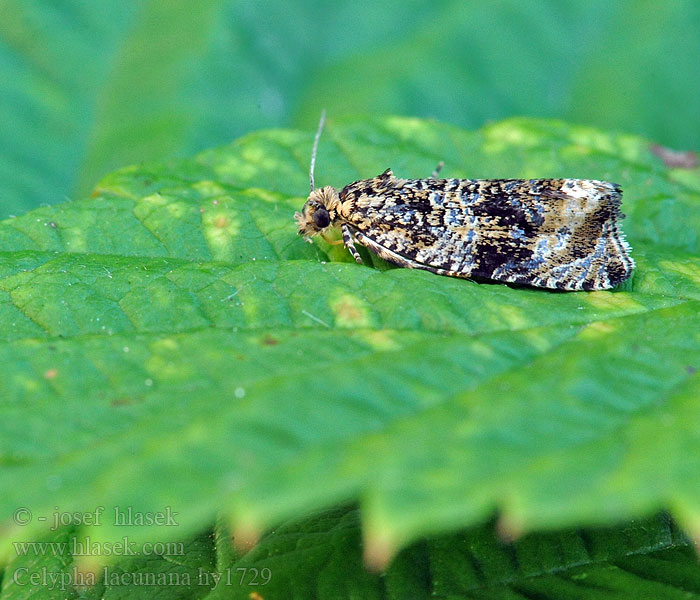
(551, 233)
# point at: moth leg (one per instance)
(349, 243)
(437, 169)
(332, 242)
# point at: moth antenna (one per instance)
(321, 122)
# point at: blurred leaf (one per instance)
(176, 324)
(88, 87)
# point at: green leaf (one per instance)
(321, 557)
(173, 344)
(66, 564)
(37, 571)
(115, 84)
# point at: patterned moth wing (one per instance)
(551, 233)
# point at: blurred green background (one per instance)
(91, 85)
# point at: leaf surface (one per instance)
(171, 342)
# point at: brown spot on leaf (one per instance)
(508, 529)
(220, 222)
(51, 374)
(377, 553)
(268, 340)
(350, 311)
(121, 402)
(676, 159)
(245, 536)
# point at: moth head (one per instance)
(319, 211)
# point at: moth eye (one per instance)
(321, 218)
